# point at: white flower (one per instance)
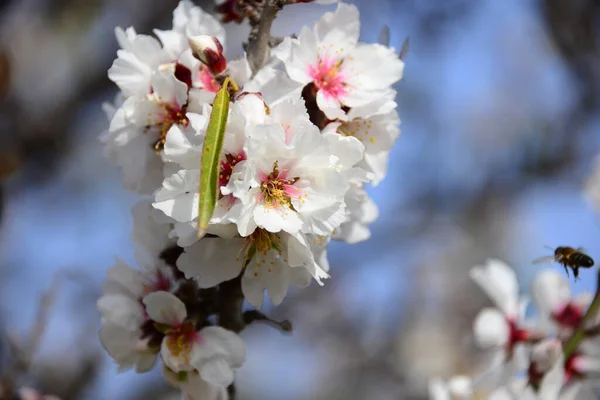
(360, 212)
(343, 72)
(376, 125)
(457, 388)
(297, 178)
(499, 282)
(502, 329)
(178, 198)
(213, 352)
(268, 261)
(551, 294)
(550, 382)
(125, 333)
(139, 56)
(127, 147)
(141, 125)
(188, 20)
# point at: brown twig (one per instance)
(231, 301)
(23, 353)
(260, 35)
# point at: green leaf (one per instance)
(211, 156)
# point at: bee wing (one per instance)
(581, 250)
(543, 260)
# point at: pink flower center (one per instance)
(227, 166)
(207, 79)
(181, 338)
(276, 189)
(327, 77)
(569, 316)
(516, 335)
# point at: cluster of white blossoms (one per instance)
(553, 356)
(305, 133)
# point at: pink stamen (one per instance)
(327, 77)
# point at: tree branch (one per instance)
(231, 301)
(258, 43)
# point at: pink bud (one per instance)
(209, 50)
(228, 11)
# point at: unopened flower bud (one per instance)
(545, 355)
(228, 11)
(209, 50)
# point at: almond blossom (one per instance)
(291, 178)
(297, 179)
(141, 55)
(502, 330)
(342, 72)
(376, 126)
(269, 262)
(213, 352)
(127, 334)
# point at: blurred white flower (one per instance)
(501, 330)
(457, 388)
(558, 310)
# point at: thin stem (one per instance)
(231, 301)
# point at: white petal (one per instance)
(330, 106)
(438, 390)
(168, 89)
(184, 143)
(499, 282)
(373, 67)
(123, 279)
(340, 28)
(178, 198)
(550, 291)
(277, 219)
(217, 372)
(165, 308)
(121, 310)
(491, 328)
(130, 74)
(212, 261)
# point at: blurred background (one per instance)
(499, 108)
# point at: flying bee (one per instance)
(569, 258)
